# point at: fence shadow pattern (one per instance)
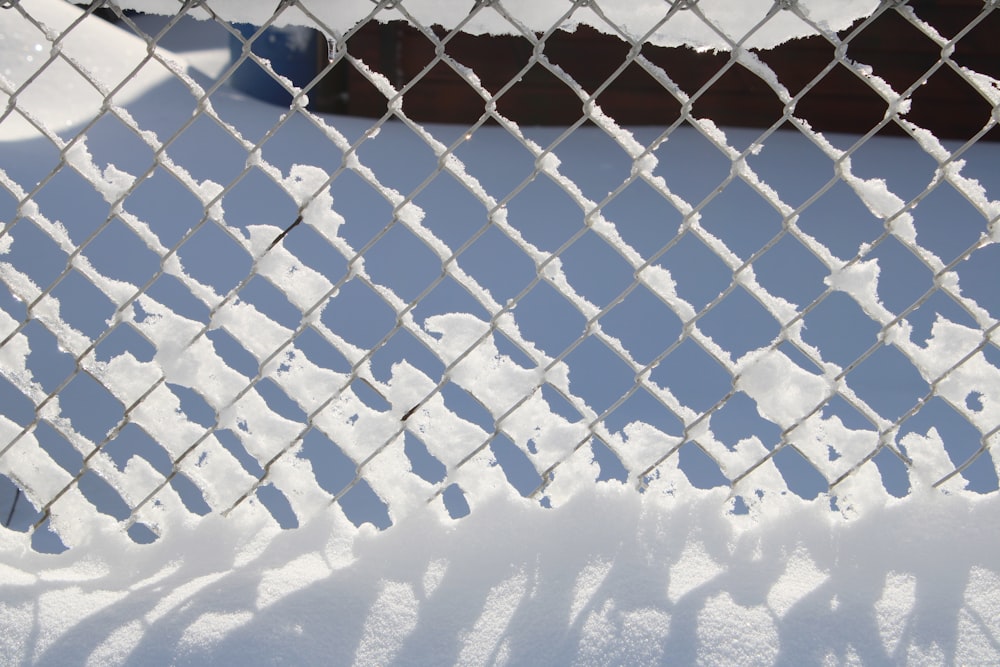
(356, 349)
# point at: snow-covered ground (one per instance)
(886, 569)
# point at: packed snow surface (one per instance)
(608, 578)
(709, 24)
(685, 571)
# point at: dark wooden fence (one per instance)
(841, 102)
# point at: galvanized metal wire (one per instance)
(29, 467)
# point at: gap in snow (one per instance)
(449, 296)
(960, 440)
(455, 502)
(369, 396)
(847, 415)
(976, 274)
(317, 350)
(232, 444)
(270, 301)
(507, 348)
(902, 277)
(422, 462)
(16, 406)
(103, 496)
(257, 200)
(611, 467)
(193, 406)
(792, 352)
(277, 504)
(459, 401)
(14, 307)
(403, 347)
(142, 534)
(132, 441)
(91, 409)
(739, 417)
(516, 465)
(112, 142)
(974, 401)
(279, 401)
(233, 354)
(701, 470)
(191, 496)
(938, 306)
(362, 505)
(895, 476)
(558, 404)
(44, 540)
(61, 451)
(18, 514)
(125, 340)
(991, 352)
(333, 469)
(172, 294)
(642, 407)
(800, 474)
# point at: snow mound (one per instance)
(705, 25)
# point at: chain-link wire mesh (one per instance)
(370, 313)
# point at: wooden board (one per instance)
(722, 90)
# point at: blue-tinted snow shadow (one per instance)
(605, 575)
(541, 212)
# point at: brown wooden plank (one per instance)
(841, 101)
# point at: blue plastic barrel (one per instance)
(292, 53)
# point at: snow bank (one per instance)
(709, 24)
(55, 70)
(610, 578)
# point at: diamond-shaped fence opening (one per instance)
(452, 263)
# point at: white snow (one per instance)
(648, 582)
(712, 24)
(602, 573)
(28, 51)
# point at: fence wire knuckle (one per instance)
(273, 328)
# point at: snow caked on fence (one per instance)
(223, 320)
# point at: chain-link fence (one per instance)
(209, 301)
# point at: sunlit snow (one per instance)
(538, 512)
